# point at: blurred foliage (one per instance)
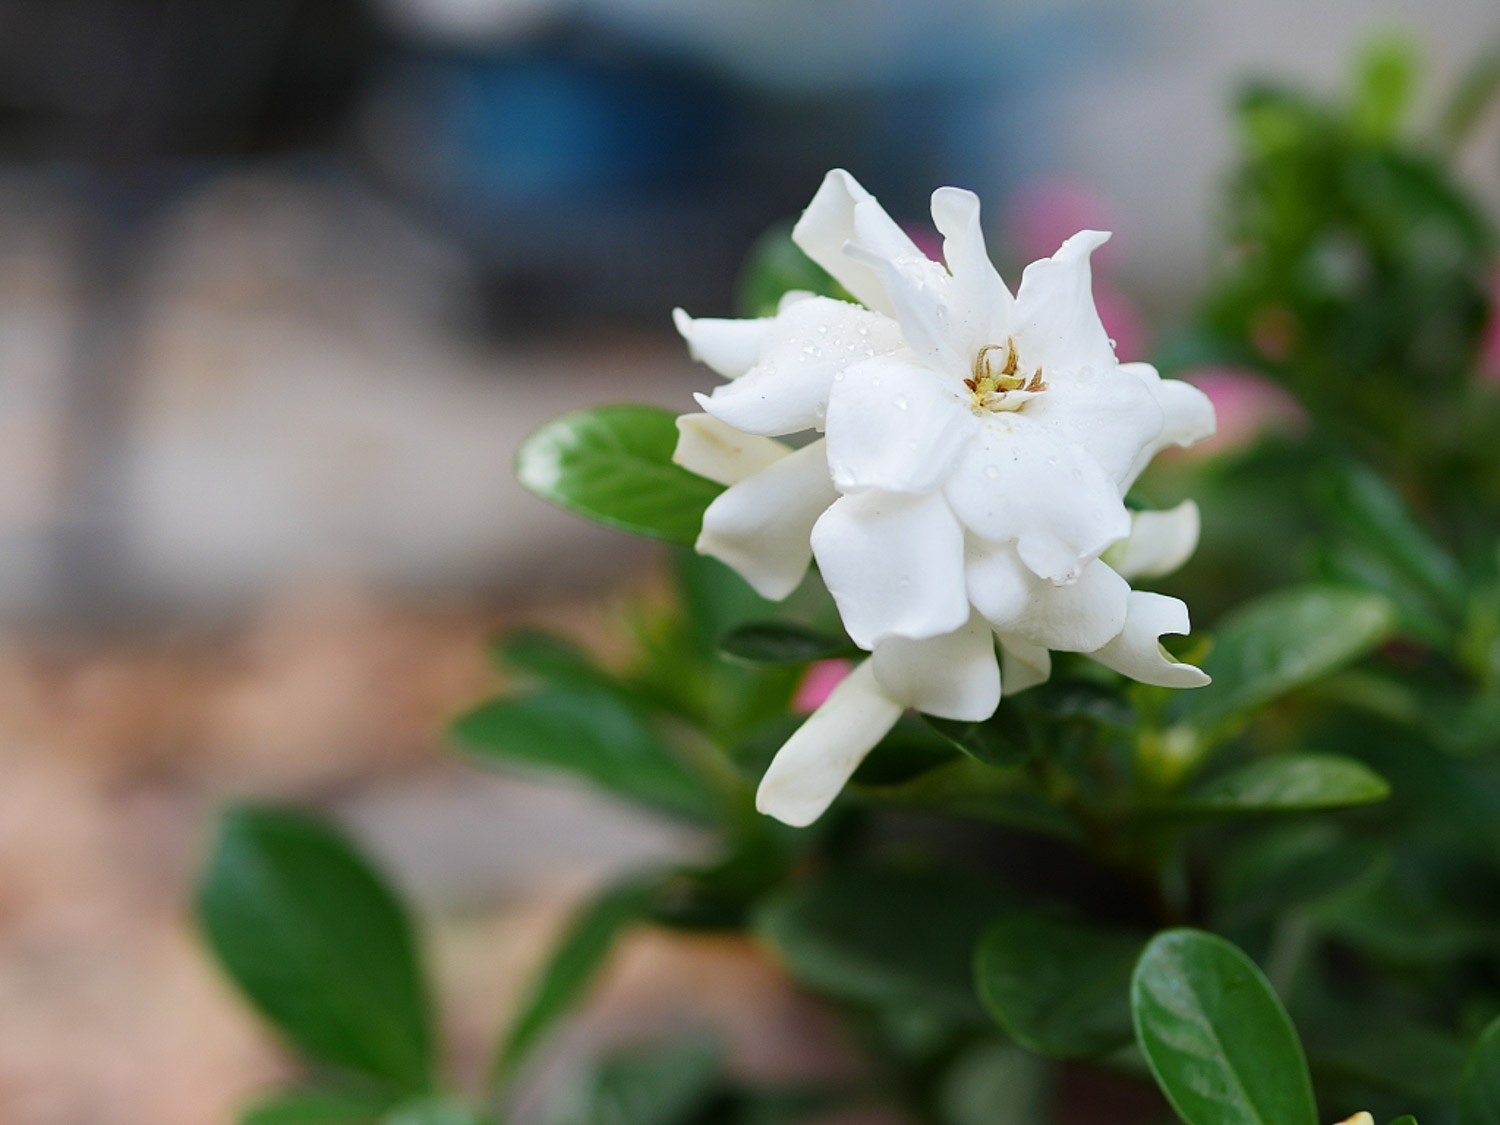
(1275, 900)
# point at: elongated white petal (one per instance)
(1057, 325)
(809, 771)
(1023, 665)
(955, 676)
(979, 306)
(809, 342)
(894, 565)
(762, 526)
(828, 225)
(1137, 651)
(894, 425)
(729, 347)
(720, 452)
(1105, 410)
(1158, 543)
(1187, 414)
(1019, 480)
(1074, 617)
(918, 289)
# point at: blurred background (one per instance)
(282, 285)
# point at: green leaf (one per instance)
(1215, 1036)
(1282, 642)
(1383, 82)
(1290, 866)
(319, 943)
(1410, 1060)
(1479, 1092)
(328, 1105)
(774, 267)
(551, 660)
(572, 968)
(614, 464)
(1001, 740)
(1405, 1119)
(781, 642)
(1286, 783)
(995, 1083)
(435, 1111)
(891, 939)
(592, 735)
(1059, 988)
(667, 1086)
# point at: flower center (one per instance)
(996, 384)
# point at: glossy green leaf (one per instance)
(573, 966)
(614, 464)
(1215, 1036)
(1282, 642)
(1001, 740)
(781, 642)
(891, 939)
(319, 943)
(1479, 1092)
(1287, 783)
(592, 735)
(1059, 988)
(318, 1105)
(669, 1085)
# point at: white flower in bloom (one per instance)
(968, 485)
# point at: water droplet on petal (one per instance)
(899, 402)
(838, 376)
(992, 471)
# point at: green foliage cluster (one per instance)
(1272, 901)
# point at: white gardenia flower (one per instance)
(967, 492)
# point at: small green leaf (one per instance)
(1059, 988)
(1215, 1036)
(1383, 82)
(572, 968)
(1001, 740)
(1479, 1093)
(774, 267)
(1282, 642)
(614, 464)
(314, 1105)
(1287, 783)
(592, 735)
(781, 642)
(551, 660)
(670, 1085)
(319, 943)
(899, 940)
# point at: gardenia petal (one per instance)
(1187, 415)
(980, 307)
(1158, 543)
(1137, 651)
(955, 676)
(1106, 411)
(894, 565)
(894, 425)
(806, 345)
(729, 347)
(762, 526)
(809, 771)
(720, 452)
(1076, 617)
(1023, 665)
(828, 225)
(1057, 324)
(1021, 481)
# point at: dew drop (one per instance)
(899, 402)
(992, 471)
(838, 376)
(823, 331)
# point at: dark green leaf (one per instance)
(614, 464)
(592, 735)
(572, 968)
(1412, 1061)
(332, 1105)
(1291, 865)
(666, 1086)
(1001, 740)
(1287, 783)
(1479, 1093)
(1216, 1037)
(1282, 642)
(884, 938)
(319, 943)
(1405, 1119)
(781, 642)
(1059, 988)
(551, 660)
